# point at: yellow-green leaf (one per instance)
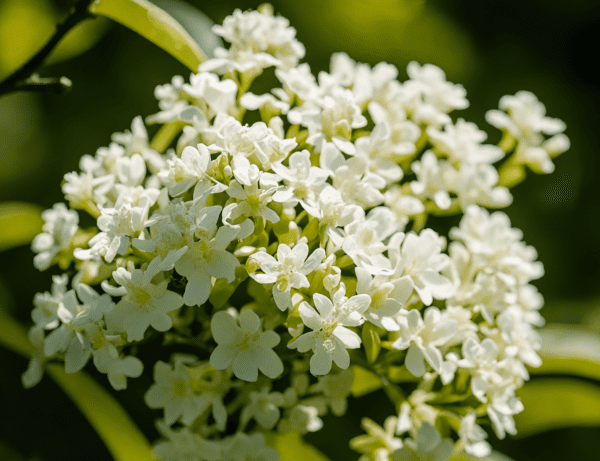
(570, 350)
(114, 426)
(155, 25)
(364, 381)
(554, 403)
(291, 447)
(371, 342)
(19, 223)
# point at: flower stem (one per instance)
(25, 79)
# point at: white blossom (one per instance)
(60, 225)
(330, 338)
(288, 271)
(244, 347)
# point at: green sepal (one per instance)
(223, 289)
(371, 342)
(365, 381)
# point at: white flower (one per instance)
(331, 209)
(473, 436)
(387, 297)
(186, 172)
(351, 178)
(288, 271)
(333, 120)
(119, 224)
(207, 257)
(46, 304)
(258, 40)
(244, 347)
(422, 338)
(428, 446)
(212, 95)
(263, 407)
(303, 179)
(173, 390)
(435, 96)
(243, 447)
(526, 119)
(481, 358)
(302, 419)
(379, 442)
(60, 225)
(83, 191)
(144, 303)
(435, 178)
(365, 237)
(462, 143)
(421, 259)
(330, 338)
(336, 389)
(476, 184)
(136, 142)
(253, 191)
(182, 444)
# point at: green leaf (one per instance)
(571, 350)
(155, 25)
(112, 423)
(371, 342)
(554, 403)
(364, 381)
(223, 289)
(19, 223)
(291, 447)
(194, 21)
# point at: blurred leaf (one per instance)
(9, 453)
(571, 350)
(396, 31)
(79, 39)
(291, 447)
(25, 25)
(194, 21)
(19, 223)
(112, 423)
(155, 25)
(554, 403)
(364, 381)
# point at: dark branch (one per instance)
(23, 78)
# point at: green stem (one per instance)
(24, 80)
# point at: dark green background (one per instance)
(492, 47)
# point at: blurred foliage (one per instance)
(493, 48)
(20, 222)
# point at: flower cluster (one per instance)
(282, 238)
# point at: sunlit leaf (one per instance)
(571, 350)
(19, 223)
(291, 447)
(155, 25)
(25, 25)
(364, 381)
(553, 403)
(79, 39)
(194, 21)
(112, 423)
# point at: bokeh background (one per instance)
(492, 47)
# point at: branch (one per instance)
(24, 77)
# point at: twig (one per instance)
(24, 77)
